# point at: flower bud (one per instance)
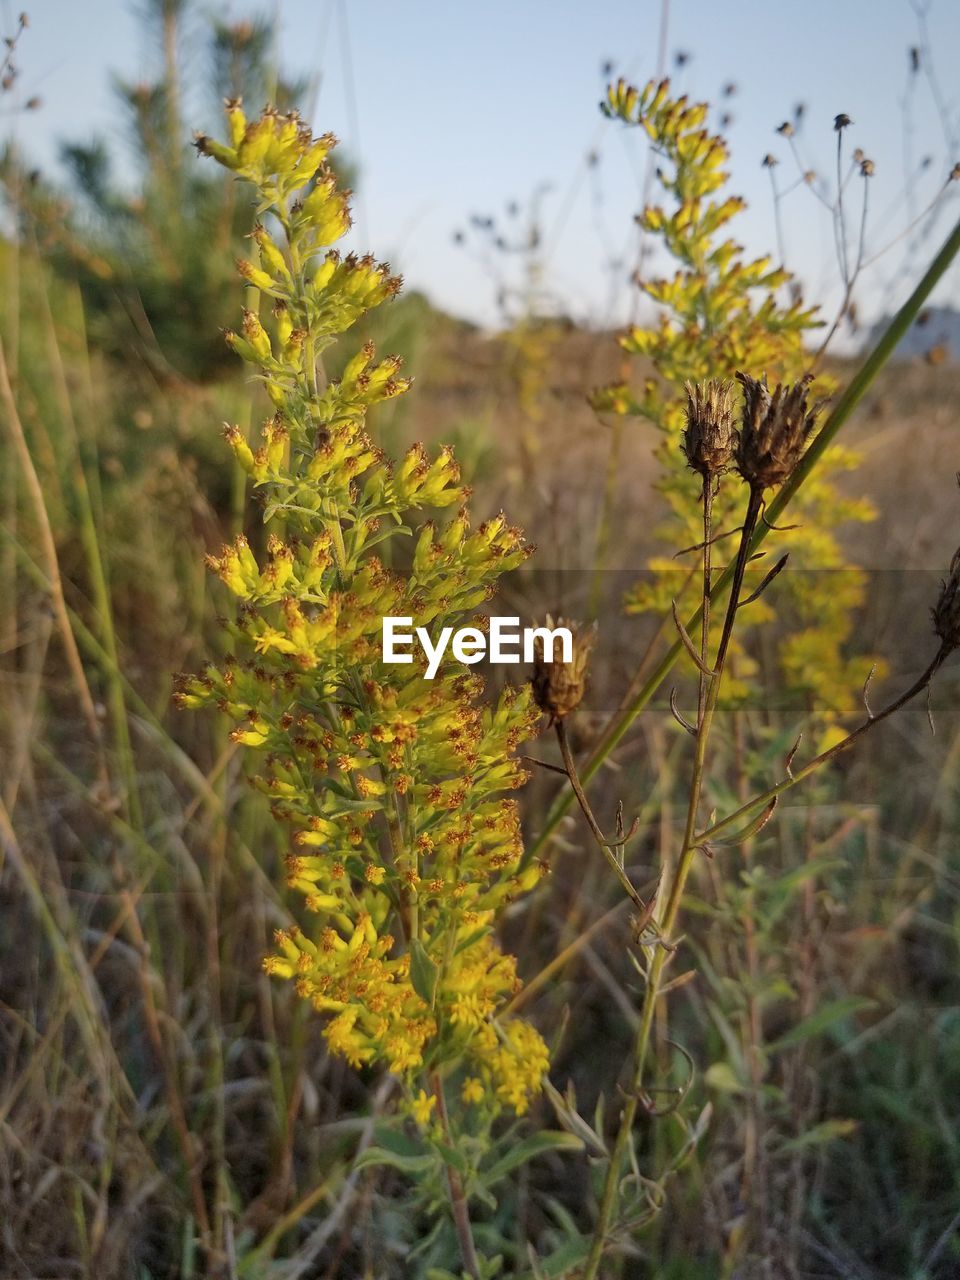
(558, 687)
(774, 431)
(709, 436)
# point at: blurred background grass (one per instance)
(153, 1082)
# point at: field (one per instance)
(169, 1108)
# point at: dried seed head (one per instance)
(709, 436)
(946, 612)
(774, 430)
(558, 687)
(841, 121)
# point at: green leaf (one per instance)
(820, 1021)
(535, 1145)
(405, 1163)
(722, 1077)
(826, 1131)
(424, 973)
(558, 1264)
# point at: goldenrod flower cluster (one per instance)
(405, 843)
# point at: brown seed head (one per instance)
(558, 687)
(774, 430)
(946, 612)
(709, 436)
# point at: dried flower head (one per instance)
(842, 121)
(558, 687)
(709, 436)
(946, 612)
(774, 431)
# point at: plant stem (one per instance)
(824, 757)
(612, 860)
(458, 1200)
(675, 897)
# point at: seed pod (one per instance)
(946, 612)
(775, 428)
(558, 687)
(709, 436)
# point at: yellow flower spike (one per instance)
(309, 635)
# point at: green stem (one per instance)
(824, 757)
(458, 1199)
(842, 410)
(689, 849)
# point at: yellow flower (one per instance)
(421, 1108)
(469, 1011)
(472, 1090)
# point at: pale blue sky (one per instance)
(452, 108)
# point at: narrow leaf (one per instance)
(424, 973)
(688, 643)
(406, 1164)
(768, 578)
(752, 828)
(535, 1145)
(822, 1020)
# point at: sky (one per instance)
(451, 109)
